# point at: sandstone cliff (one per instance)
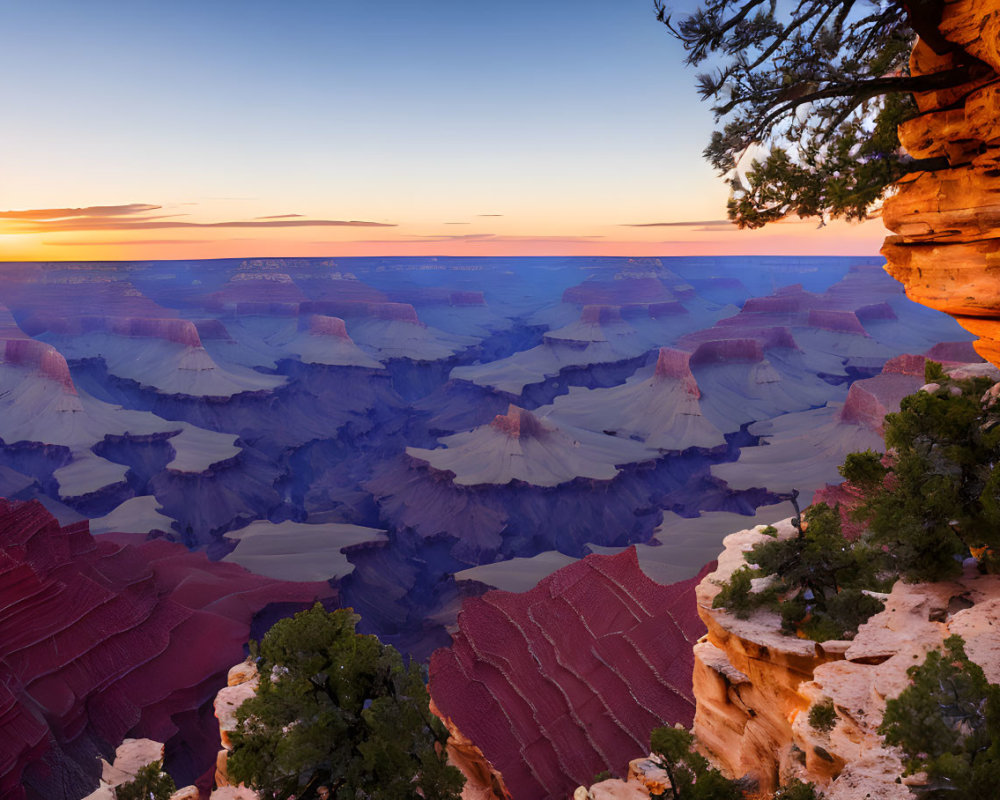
(754, 686)
(947, 247)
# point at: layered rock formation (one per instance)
(568, 679)
(754, 686)
(662, 411)
(519, 446)
(105, 638)
(946, 248)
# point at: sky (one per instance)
(142, 129)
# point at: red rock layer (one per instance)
(845, 497)
(180, 331)
(250, 287)
(618, 292)
(46, 299)
(561, 682)
(844, 321)
(947, 222)
(600, 315)
(954, 352)
(728, 351)
(676, 365)
(435, 295)
(320, 325)
(105, 638)
(777, 336)
(403, 312)
(869, 400)
(518, 423)
(170, 329)
(41, 357)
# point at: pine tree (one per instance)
(817, 89)
(340, 707)
(150, 783)
(948, 724)
(939, 498)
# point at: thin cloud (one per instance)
(43, 214)
(99, 224)
(697, 223)
(458, 223)
(477, 237)
(121, 242)
(281, 216)
(489, 215)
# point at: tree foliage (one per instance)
(817, 579)
(690, 775)
(948, 724)
(818, 87)
(150, 783)
(939, 497)
(823, 716)
(340, 707)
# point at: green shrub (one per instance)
(939, 500)
(690, 775)
(819, 578)
(948, 724)
(343, 708)
(150, 783)
(797, 790)
(823, 716)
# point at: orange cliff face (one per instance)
(946, 250)
(755, 686)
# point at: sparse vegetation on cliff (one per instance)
(823, 716)
(150, 783)
(928, 503)
(936, 498)
(948, 724)
(815, 580)
(340, 707)
(693, 778)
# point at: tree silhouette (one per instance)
(813, 91)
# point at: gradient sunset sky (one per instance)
(136, 129)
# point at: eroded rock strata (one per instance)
(947, 223)
(104, 638)
(754, 685)
(561, 682)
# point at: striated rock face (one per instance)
(869, 400)
(754, 686)
(947, 223)
(41, 357)
(566, 680)
(103, 639)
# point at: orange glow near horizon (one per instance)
(498, 237)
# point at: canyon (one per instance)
(402, 436)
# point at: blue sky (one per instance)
(569, 119)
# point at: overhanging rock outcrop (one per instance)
(947, 223)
